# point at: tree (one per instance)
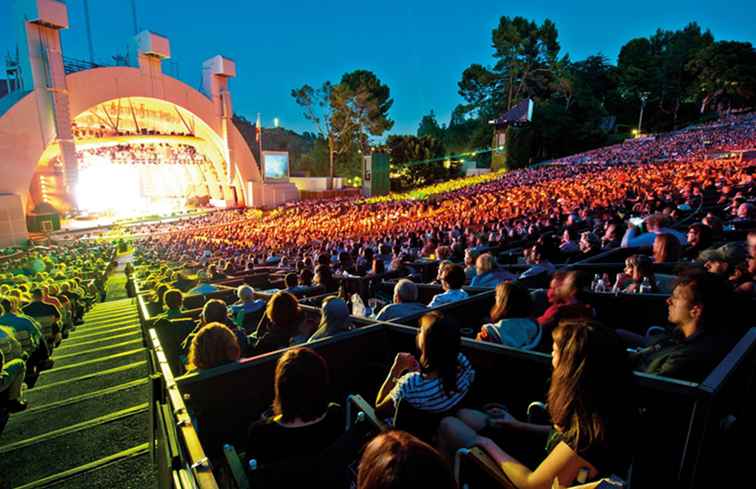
(348, 114)
(429, 127)
(657, 66)
(409, 155)
(318, 110)
(725, 74)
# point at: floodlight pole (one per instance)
(134, 16)
(89, 31)
(643, 98)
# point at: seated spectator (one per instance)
(588, 246)
(567, 303)
(436, 383)
(745, 212)
(452, 279)
(443, 253)
(568, 245)
(511, 323)
(442, 265)
(637, 268)
(173, 300)
(471, 269)
(743, 276)
(405, 302)
(666, 248)
(215, 311)
(654, 224)
(290, 280)
(159, 295)
(203, 286)
(698, 342)
(699, 239)
(751, 243)
(305, 278)
(302, 423)
(12, 375)
(398, 460)
(44, 312)
(324, 278)
(612, 237)
(213, 345)
(722, 260)
(247, 304)
(282, 325)
(28, 334)
(303, 283)
(486, 274)
(377, 268)
(539, 257)
(588, 405)
(346, 264)
(334, 319)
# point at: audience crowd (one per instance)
(667, 198)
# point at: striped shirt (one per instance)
(427, 394)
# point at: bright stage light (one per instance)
(103, 186)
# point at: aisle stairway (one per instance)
(88, 423)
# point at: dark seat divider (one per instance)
(615, 255)
(226, 294)
(468, 313)
(425, 292)
(732, 387)
(225, 400)
(634, 312)
(171, 333)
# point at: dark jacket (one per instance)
(690, 359)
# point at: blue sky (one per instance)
(418, 47)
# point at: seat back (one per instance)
(26, 340)
(171, 333)
(46, 324)
(223, 422)
(422, 424)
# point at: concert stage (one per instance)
(117, 141)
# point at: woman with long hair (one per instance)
(280, 325)
(438, 381)
(591, 417)
(302, 421)
(511, 321)
(637, 268)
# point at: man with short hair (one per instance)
(695, 346)
(39, 309)
(405, 302)
(174, 303)
(452, 280)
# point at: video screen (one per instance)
(276, 165)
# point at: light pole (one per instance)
(643, 98)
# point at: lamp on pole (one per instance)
(643, 99)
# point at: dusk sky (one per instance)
(418, 47)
